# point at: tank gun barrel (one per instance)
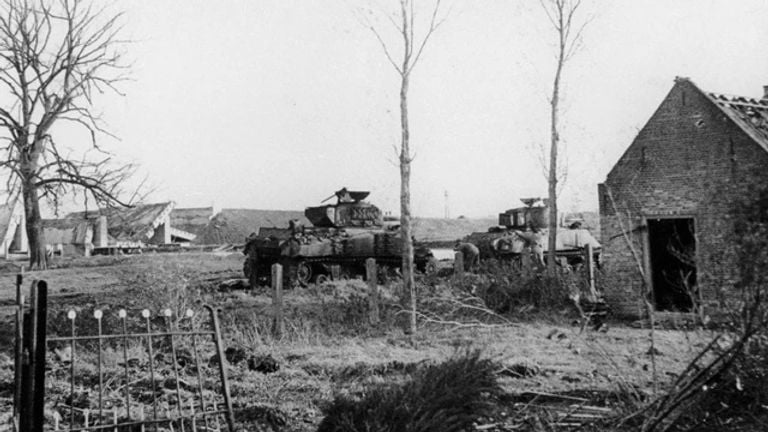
(334, 194)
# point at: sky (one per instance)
(275, 104)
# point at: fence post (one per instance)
(373, 297)
(458, 264)
(590, 263)
(222, 369)
(27, 384)
(18, 347)
(278, 327)
(33, 378)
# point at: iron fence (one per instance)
(102, 369)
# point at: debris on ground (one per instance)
(263, 363)
(520, 369)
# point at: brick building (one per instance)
(675, 192)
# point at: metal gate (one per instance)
(117, 369)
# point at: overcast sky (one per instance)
(274, 104)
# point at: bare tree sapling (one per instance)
(561, 15)
(412, 50)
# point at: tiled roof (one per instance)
(66, 231)
(750, 114)
(191, 220)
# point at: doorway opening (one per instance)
(673, 263)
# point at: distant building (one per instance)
(675, 190)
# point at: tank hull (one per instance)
(509, 244)
(342, 237)
(319, 254)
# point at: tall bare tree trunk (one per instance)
(561, 14)
(35, 235)
(28, 167)
(411, 55)
(408, 296)
(552, 225)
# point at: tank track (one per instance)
(350, 267)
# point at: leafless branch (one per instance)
(386, 50)
(55, 57)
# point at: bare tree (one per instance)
(55, 56)
(561, 14)
(412, 49)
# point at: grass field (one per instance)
(330, 349)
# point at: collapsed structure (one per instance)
(668, 206)
(111, 230)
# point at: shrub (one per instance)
(443, 397)
(504, 287)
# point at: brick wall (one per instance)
(690, 160)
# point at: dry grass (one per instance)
(330, 349)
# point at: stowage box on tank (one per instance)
(341, 238)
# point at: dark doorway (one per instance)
(673, 263)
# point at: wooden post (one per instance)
(278, 326)
(458, 264)
(373, 298)
(27, 372)
(19, 347)
(33, 374)
(590, 263)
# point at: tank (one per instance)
(520, 226)
(341, 237)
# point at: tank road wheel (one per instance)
(321, 279)
(303, 273)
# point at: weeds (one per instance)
(444, 397)
(505, 288)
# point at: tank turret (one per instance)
(349, 211)
(533, 215)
